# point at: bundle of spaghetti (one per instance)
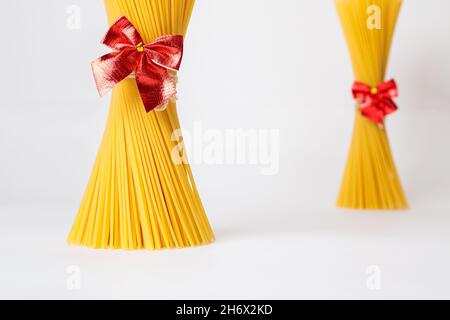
(138, 197)
(370, 180)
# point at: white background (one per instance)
(248, 65)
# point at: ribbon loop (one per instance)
(150, 63)
(376, 102)
(122, 34)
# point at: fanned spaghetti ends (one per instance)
(370, 180)
(138, 197)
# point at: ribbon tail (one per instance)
(155, 84)
(374, 114)
(389, 107)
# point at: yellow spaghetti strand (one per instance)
(370, 179)
(138, 197)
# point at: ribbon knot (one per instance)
(150, 63)
(376, 102)
(140, 47)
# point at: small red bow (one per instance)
(376, 102)
(150, 63)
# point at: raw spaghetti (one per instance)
(138, 197)
(370, 180)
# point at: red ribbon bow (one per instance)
(150, 63)
(376, 102)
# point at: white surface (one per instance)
(278, 236)
(283, 255)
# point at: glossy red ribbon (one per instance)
(376, 102)
(150, 63)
